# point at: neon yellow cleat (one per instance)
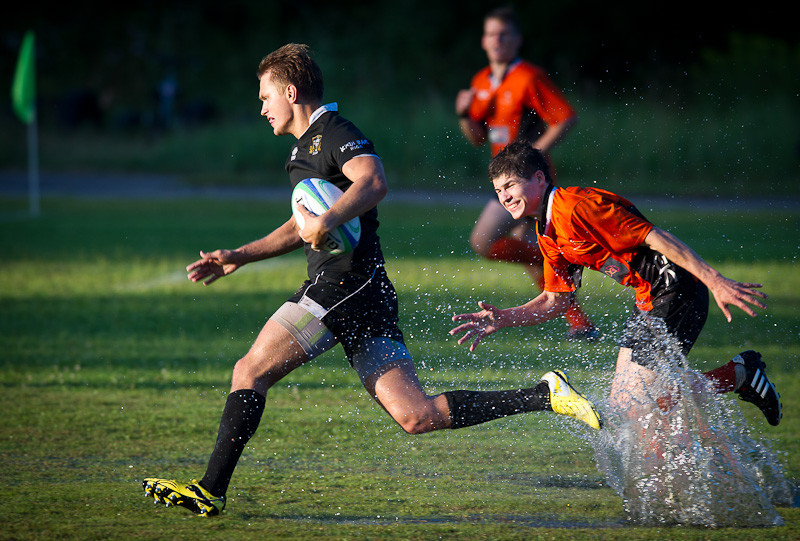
(564, 399)
(189, 495)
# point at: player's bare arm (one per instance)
(463, 101)
(546, 306)
(219, 263)
(475, 132)
(726, 292)
(554, 134)
(369, 187)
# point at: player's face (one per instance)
(501, 41)
(275, 105)
(520, 197)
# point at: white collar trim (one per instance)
(549, 213)
(322, 110)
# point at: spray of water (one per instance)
(680, 454)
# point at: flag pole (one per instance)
(33, 167)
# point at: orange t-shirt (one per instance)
(593, 228)
(522, 104)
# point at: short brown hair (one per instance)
(292, 65)
(519, 159)
(507, 15)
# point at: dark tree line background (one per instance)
(123, 70)
(117, 54)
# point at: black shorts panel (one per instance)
(359, 307)
(680, 310)
(684, 309)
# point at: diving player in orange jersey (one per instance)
(596, 229)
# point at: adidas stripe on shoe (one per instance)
(757, 388)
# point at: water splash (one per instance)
(680, 454)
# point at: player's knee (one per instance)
(243, 374)
(480, 244)
(248, 373)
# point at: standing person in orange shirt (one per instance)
(513, 100)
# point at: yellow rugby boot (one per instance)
(566, 400)
(189, 495)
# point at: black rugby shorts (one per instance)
(680, 310)
(358, 307)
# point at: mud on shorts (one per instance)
(358, 311)
(680, 309)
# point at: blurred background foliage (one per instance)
(673, 98)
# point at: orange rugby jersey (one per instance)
(525, 100)
(592, 228)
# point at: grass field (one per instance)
(114, 368)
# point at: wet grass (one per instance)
(114, 367)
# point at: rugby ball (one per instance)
(318, 195)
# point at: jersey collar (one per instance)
(322, 110)
(547, 209)
(319, 112)
(495, 81)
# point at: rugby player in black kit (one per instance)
(347, 298)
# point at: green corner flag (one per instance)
(23, 90)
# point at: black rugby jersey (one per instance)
(329, 142)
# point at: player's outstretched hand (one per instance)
(479, 325)
(729, 292)
(213, 265)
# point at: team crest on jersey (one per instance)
(316, 145)
(614, 269)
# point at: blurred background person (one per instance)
(514, 100)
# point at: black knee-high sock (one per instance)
(469, 408)
(240, 418)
